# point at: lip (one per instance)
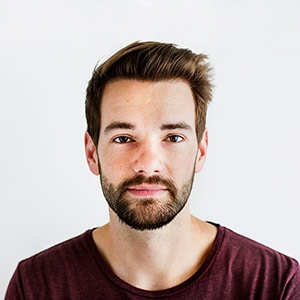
(147, 190)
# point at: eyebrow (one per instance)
(125, 125)
(180, 125)
(118, 125)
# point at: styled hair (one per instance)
(151, 61)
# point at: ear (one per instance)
(202, 152)
(91, 153)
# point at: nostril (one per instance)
(148, 172)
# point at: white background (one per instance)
(48, 51)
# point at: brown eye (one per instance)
(122, 139)
(175, 138)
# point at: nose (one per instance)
(148, 159)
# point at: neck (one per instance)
(156, 259)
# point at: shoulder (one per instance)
(257, 261)
(246, 269)
(57, 256)
(238, 244)
(60, 272)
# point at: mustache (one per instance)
(140, 179)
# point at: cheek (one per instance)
(189, 166)
(183, 165)
(112, 166)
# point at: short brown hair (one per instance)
(151, 61)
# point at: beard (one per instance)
(146, 213)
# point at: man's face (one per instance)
(148, 150)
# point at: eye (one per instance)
(175, 138)
(122, 139)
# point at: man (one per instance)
(146, 138)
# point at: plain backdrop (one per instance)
(48, 50)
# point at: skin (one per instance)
(159, 139)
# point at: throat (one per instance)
(155, 259)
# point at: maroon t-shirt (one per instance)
(236, 268)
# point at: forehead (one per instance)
(135, 100)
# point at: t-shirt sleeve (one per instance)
(15, 287)
(292, 288)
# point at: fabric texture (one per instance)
(236, 268)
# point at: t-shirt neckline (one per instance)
(111, 276)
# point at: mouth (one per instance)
(147, 190)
